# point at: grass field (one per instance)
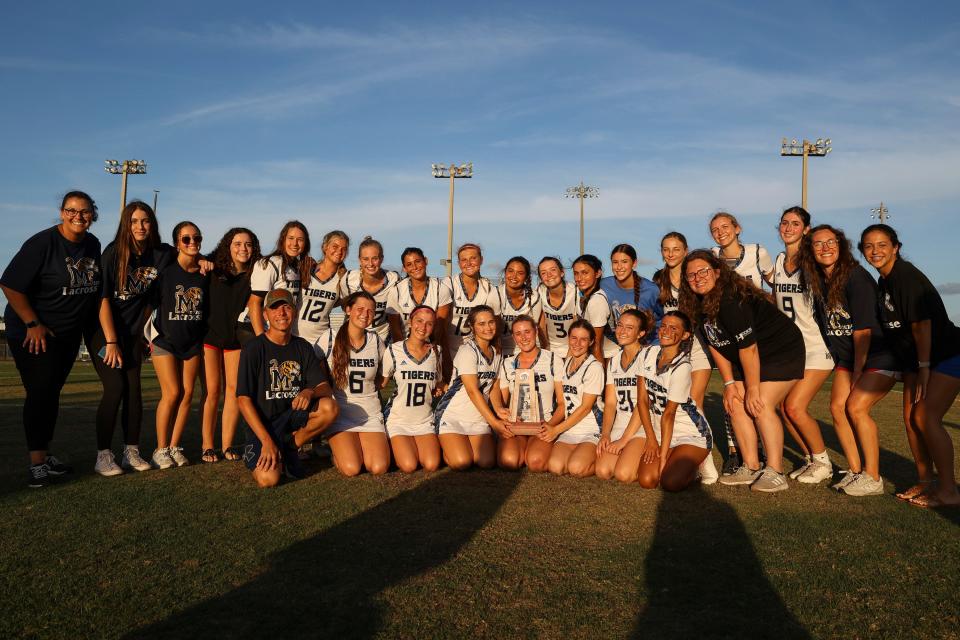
(199, 551)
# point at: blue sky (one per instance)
(256, 113)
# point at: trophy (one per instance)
(525, 414)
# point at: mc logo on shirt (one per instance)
(284, 380)
(83, 276)
(187, 303)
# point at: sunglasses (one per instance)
(197, 239)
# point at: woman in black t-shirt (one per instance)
(228, 329)
(759, 353)
(845, 307)
(52, 286)
(928, 345)
(179, 324)
(131, 266)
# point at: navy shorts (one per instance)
(285, 423)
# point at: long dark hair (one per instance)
(705, 309)
(832, 294)
(885, 229)
(303, 263)
(472, 318)
(594, 263)
(179, 227)
(83, 195)
(340, 356)
(631, 253)
(647, 323)
(527, 280)
(222, 260)
(685, 345)
(124, 244)
(662, 276)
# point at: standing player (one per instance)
(513, 451)
(357, 437)
(284, 394)
(577, 429)
(517, 298)
(463, 416)
(468, 290)
(621, 445)
(626, 289)
(373, 279)
(415, 366)
(287, 267)
(417, 290)
(751, 261)
(559, 299)
(322, 291)
(664, 399)
(794, 299)
(593, 305)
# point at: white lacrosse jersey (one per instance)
(624, 380)
(455, 405)
(412, 402)
(558, 319)
(319, 299)
(587, 378)
(797, 303)
(530, 306)
(400, 300)
(359, 401)
(546, 369)
(463, 304)
(754, 262)
(353, 282)
(269, 274)
(673, 385)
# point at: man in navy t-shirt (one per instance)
(284, 393)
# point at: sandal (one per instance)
(209, 456)
(232, 454)
(931, 501)
(920, 488)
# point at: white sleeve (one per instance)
(322, 342)
(388, 364)
(506, 373)
(493, 300)
(536, 306)
(610, 372)
(344, 290)
(465, 361)
(763, 260)
(593, 379)
(393, 302)
(263, 277)
(444, 294)
(597, 312)
(557, 367)
(679, 388)
(381, 345)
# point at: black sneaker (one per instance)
(731, 464)
(57, 468)
(39, 476)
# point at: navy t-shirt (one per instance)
(181, 311)
(62, 281)
(272, 375)
(229, 295)
(857, 311)
(907, 296)
(129, 303)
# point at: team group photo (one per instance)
(346, 393)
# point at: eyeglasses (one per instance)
(197, 239)
(84, 213)
(699, 274)
(825, 244)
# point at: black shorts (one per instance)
(285, 423)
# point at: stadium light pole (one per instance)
(881, 213)
(805, 149)
(156, 194)
(452, 172)
(124, 168)
(582, 191)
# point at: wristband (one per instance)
(114, 342)
(729, 382)
(923, 365)
(31, 324)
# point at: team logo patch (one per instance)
(887, 303)
(284, 379)
(187, 303)
(83, 276)
(138, 281)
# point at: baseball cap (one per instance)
(277, 296)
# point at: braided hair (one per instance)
(631, 253)
(594, 263)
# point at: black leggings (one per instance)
(43, 375)
(121, 392)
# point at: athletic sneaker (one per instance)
(731, 464)
(799, 470)
(176, 454)
(131, 461)
(106, 465)
(846, 477)
(770, 481)
(743, 475)
(161, 458)
(39, 476)
(57, 468)
(815, 473)
(708, 470)
(863, 485)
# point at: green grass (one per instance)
(199, 550)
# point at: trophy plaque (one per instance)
(525, 413)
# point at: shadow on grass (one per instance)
(330, 585)
(704, 579)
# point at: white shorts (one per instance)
(464, 428)
(698, 357)
(358, 419)
(678, 439)
(819, 359)
(578, 438)
(422, 429)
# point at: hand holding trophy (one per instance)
(526, 418)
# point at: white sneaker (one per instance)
(864, 485)
(846, 477)
(176, 454)
(105, 464)
(708, 470)
(161, 458)
(770, 481)
(743, 475)
(815, 473)
(130, 459)
(798, 470)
